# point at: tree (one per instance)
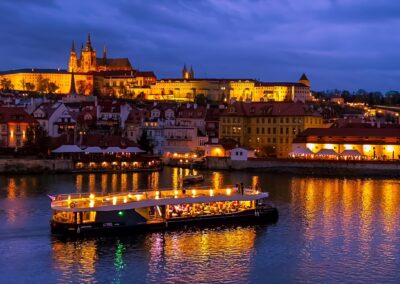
(37, 140)
(52, 87)
(29, 86)
(200, 99)
(42, 84)
(6, 85)
(144, 143)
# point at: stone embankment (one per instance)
(27, 166)
(309, 167)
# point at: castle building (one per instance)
(116, 77)
(89, 62)
(186, 89)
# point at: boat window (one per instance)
(64, 217)
(88, 217)
(205, 209)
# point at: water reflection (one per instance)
(76, 261)
(337, 230)
(195, 256)
(346, 215)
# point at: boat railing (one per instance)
(97, 199)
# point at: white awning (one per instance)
(113, 150)
(68, 149)
(92, 150)
(133, 150)
(327, 152)
(352, 153)
(301, 151)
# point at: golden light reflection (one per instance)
(217, 180)
(175, 178)
(124, 182)
(11, 189)
(92, 183)
(72, 256)
(153, 180)
(367, 202)
(114, 182)
(135, 181)
(345, 209)
(255, 181)
(230, 250)
(79, 182)
(104, 183)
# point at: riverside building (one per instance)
(360, 143)
(268, 127)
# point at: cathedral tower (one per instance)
(73, 59)
(88, 57)
(187, 75)
(191, 73)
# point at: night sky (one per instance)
(344, 44)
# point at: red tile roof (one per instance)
(268, 109)
(351, 135)
(15, 114)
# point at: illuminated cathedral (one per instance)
(89, 62)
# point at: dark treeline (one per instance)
(362, 96)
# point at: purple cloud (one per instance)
(346, 44)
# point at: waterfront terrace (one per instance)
(369, 143)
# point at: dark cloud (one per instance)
(340, 44)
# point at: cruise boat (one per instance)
(191, 179)
(80, 214)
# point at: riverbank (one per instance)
(309, 167)
(35, 166)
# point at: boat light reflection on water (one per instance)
(161, 255)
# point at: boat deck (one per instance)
(128, 200)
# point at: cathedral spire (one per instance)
(191, 72)
(89, 42)
(73, 46)
(105, 56)
(72, 90)
(184, 72)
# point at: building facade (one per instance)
(14, 123)
(268, 127)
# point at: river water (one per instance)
(330, 230)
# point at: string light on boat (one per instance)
(157, 194)
(193, 193)
(114, 200)
(228, 191)
(211, 192)
(125, 200)
(138, 197)
(91, 203)
(175, 193)
(129, 195)
(91, 196)
(69, 200)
